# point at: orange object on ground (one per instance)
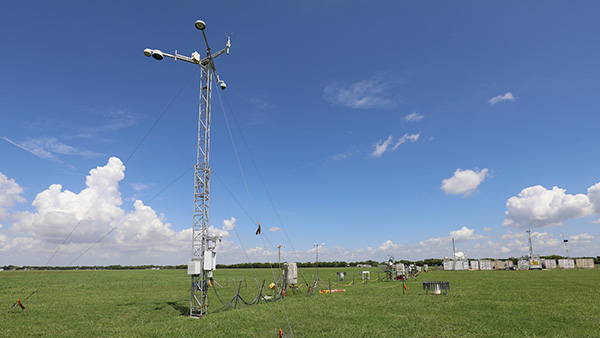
(331, 291)
(21, 305)
(405, 288)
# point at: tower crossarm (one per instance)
(195, 58)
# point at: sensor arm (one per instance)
(157, 54)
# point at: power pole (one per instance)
(453, 255)
(279, 249)
(203, 245)
(279, 260)
(530, 247)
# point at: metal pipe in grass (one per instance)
(261, 290)
(256, 282)
(236, 293)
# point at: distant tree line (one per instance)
(94, 267)
(259, 265)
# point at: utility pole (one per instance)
(279, 249)
(279, 255)
(203, 256)
(530, 247)
(454, 260)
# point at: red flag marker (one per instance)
(21, 305)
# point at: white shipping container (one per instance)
(550, 263)
(474, 265)
(485, 264)
(566, 263)
(585, 263)
(523, 264)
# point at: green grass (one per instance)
(146, 303)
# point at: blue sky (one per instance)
(379, 129)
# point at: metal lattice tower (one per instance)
(530, 247)
(203, 245)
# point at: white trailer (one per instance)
(535, 263)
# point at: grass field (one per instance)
(147, 303)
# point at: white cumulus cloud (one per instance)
(466, 234)
(500, 98)
(594, 197)
(140, 236)
(10, 194)
(582, 237)
(464, 182)
(538, 207)
(389, 246)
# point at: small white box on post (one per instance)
(210, 260)
(194, 268)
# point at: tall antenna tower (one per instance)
(203, 255)
(317, 247)
(530, 247)
(566, 242)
